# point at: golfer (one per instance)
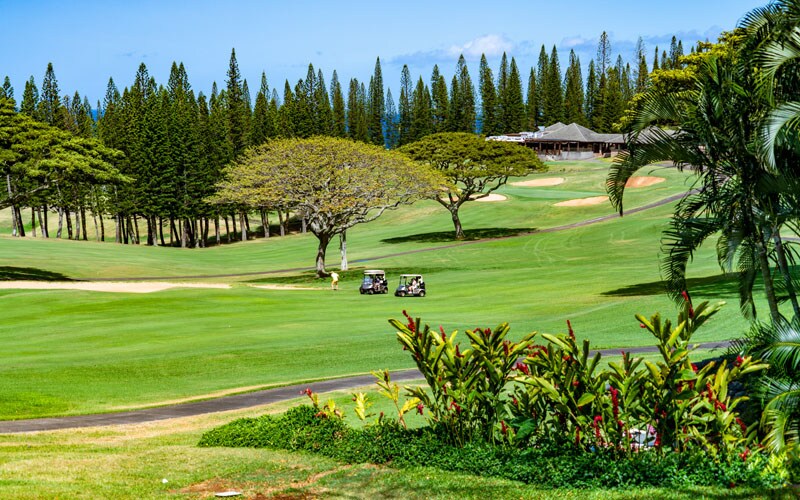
(334, 281)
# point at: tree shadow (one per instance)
(352, 274)
(721, 285)
(469, 235)
(9, 273)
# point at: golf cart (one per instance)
(411, 285)
(374, 282)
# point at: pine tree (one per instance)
(285, 125)
(514, 105)
(392, 122)
(603, 53)
(465, 115)
(339, 113)
(573, 93)
(405, 106)
(262, 128)
(613, 105)
(655, 60)
(238, 116)
(542, 67)
(489, 125)
(553, 97)
(377, 107)
(501, 99)
(49, 107)
(357, 112)
(7, 90)
(322, 106)
(673, 53)
(421, 113)
(30, 99)
(592, 89)
(531, 103)
(439, 100)
(642, 73)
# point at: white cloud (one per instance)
(490, 45)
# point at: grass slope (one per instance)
(70, 352)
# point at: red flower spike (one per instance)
(420, 406)
(523, 368)
(503, 428)
(569, 327)
(576, 383)
(741, 424)
(514, 401)
(694, 367)
(738, 362)
(577, 435)
(615, 401)
(641, 325)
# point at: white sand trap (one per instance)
(492, 197)
(278, 286)
(549, 181)
(582, 202)
(105, 286)
(643, 181)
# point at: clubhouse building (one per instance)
(567, 142)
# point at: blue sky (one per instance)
(89, 41)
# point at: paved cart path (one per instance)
(240, 401)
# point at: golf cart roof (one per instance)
(374, 271)
(411, 276)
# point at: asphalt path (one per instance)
(267, 396)
(241, 401)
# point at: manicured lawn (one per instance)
(70, 352)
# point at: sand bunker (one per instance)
(492, 197)
(550, 181)
(582, 202)
(105, 286)
(643, 181)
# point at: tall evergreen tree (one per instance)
(531, 103)
(49, 107)
(464, 114)
(489, 125)
(262, 127)
(421, 112)
(338, 111)
(553, 96)
(502, 96)
(30, 99)
(642, 73)
(439, 99)
(377, 106)
(573, 92)
(655, 60)
(514, 105)
(357, 112)
(542, 67)
(238, 116)
(405, 106)
(392, 131)
(603, 53)
(7, 90)
(592, 90)
(285, 125)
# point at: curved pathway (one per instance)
(240, 401)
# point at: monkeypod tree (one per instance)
(476, 167)
(333, 183)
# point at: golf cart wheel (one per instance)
(422, 293)
(401, 294)
(361, 291)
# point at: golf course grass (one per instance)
(75, 352)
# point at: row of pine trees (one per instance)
(176, 142)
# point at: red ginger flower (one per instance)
(503, 428)
(569, 327)
(420, 406)
(523, 368)
(739, 361)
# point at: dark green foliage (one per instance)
(549, 465)
(263, 127)
(30, 99)
(489, 105)
(553, 93)
(339, 116)
(439, 100)
(238, 114)
(404, 136)
(48, 109)
(462, 100)
(357, 112)
(6, 90)
(573, 94)
(377, 107)
(513, 105)
(421, 112)
(531, 103)
(392, 123)
(542, 67)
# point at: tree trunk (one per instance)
(783, 265)
(343, 249)
(78, 231)
(33, 222)
(68, 218)
(206, 225)
(96, 229)
(303, 225)
(14, 230)
(117, 228)
(136, 229)
(102, 229)
(233, 224)
(42, 225)
(60, 221)
(150, 230)
(46, 225)
(243, 225)
(247, 221)
(184, 236)
(20, 223)
(457, 223)
(173, 231)
(83, 223)
(227, 229)
(766, 275)
(280, 223)
(324, 239)
(286, 220)
(161, 230)
(265, 222)
(216, 230)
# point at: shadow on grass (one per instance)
(9, 273)
(354, 274)
(469, 235)
(720, 285)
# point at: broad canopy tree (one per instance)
(474, 166)
(35, 157)
(333, 183)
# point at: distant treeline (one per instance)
(176, 142)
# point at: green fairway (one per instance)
(71, 352)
